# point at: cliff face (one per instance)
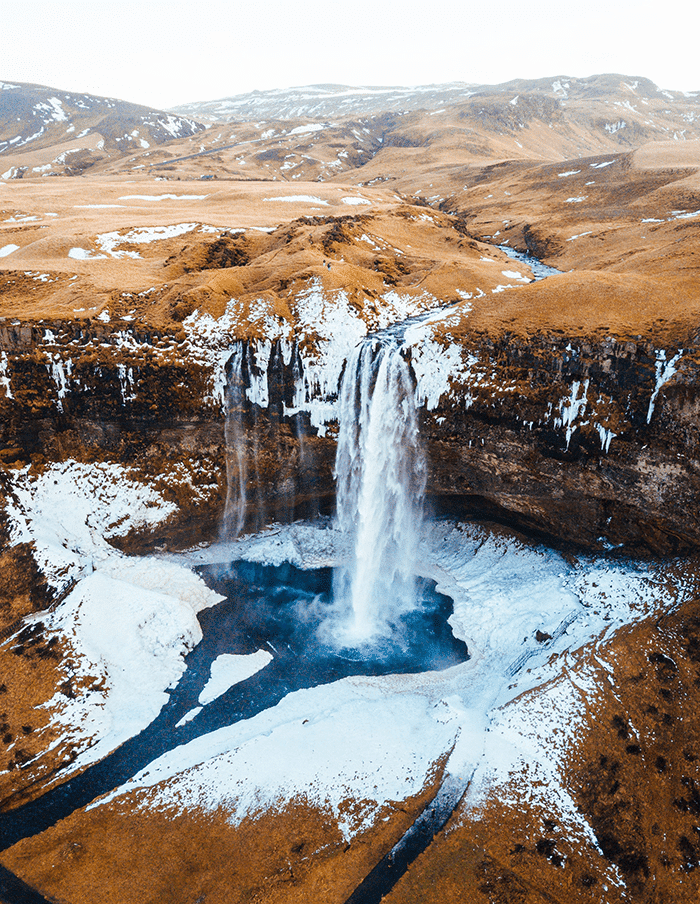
(71, 395)
(592, 441)
(146, 402)
(589, 442)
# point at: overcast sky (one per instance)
(165, 52)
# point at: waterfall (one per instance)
(379, 471)
(252, 438)
(266, 456)
(380, 475)
(236, 453)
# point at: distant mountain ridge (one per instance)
(320, 101)
(410, 136)
(326, 132)
(329, 100)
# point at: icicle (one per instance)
(664, 371)
(5, 377)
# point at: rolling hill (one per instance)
(43, 130)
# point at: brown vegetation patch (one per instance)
(591, 304)
(227, 250)
(34, 665)
(125, 853)
(634, 775)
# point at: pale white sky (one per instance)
(164, 52)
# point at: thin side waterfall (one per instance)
(246, 395)
(380, 474)
(267, 461)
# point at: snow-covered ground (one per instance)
(377, 739)
(128, 622)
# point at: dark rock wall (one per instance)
(146, 403)
(508, 446)
(510, 455)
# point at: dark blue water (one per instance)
(287, 610)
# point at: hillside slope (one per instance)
(44, 131)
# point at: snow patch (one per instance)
(353, 746)
(212, 341)
(163, 197)
(83, 254)
(299, 199)
(129, 622)
(306, 130)
(330, 320)
(229, 669)
(109, 242)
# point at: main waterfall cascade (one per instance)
(380, 476)
(379, 473)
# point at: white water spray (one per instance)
(380, 474)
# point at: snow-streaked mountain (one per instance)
(34, 117)
(321, 101)
(424, 151)
(340, 101)
(405, 135)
